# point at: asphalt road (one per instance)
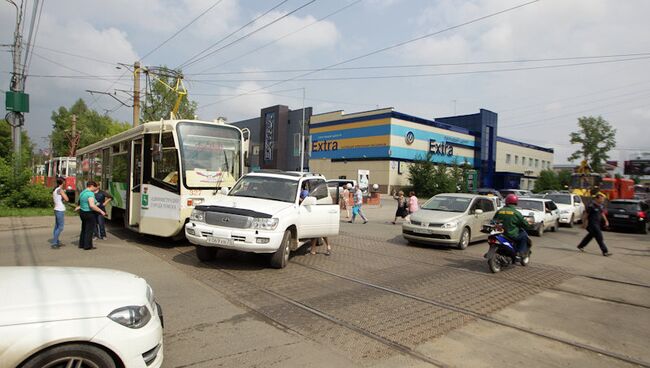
(377, 301)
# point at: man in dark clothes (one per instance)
(102, 199)
(591, 219)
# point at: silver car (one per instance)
(453, 218)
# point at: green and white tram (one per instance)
(158, 171)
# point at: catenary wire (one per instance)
(389, 47)
(249, 34)
(195, 56)
(284, 36)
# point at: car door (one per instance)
(320, 219)
(488, 207)
(579, 206)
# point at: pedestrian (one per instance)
(591, 219)
(413, 203)
(304, 193)
(345, 200)
(58, 196)
(402, 206)
(86, 208)
(314, 243)
(102, 199)
(358, 202)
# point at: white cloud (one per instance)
(323, 34)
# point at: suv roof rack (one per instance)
(297, 174)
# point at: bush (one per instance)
(31, 195)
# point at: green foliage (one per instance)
(7, 146)
(597, 138)
(564, 179)
(16, 190)
(428, 179)
(548, 180)
(160, 100)
(91, 126)
(31, 195)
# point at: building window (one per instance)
(523, 160)
(536, 163)
(516, 160)
(530, 161)
(507, 158)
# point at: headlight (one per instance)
(197, 216)
(565, 212)
(265, 223)
(132, 316)
(450, 225)
(530, 219)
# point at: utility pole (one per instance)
(136, 93)
(302, 140)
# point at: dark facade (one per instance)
(275, 138)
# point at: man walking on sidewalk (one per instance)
(591, 219)
(358, 202)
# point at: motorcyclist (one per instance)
(514, 224)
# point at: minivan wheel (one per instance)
(464, 239)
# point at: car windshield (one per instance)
(531, 205)
(560, 198)
(276, 189)
(447, 204)
(627, 206)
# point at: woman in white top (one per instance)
(58, 196)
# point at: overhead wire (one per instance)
(399, 44)
(112, 63)
(32, 37)
(284, 36)
(250, 34)
(193, 57)
(72, 69)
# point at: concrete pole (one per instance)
(136, 93)
(302, 139)
(16, 119)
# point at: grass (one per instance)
(30, 212)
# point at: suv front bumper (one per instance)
(245, 240)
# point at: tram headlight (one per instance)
(197, 215)
(264, 223)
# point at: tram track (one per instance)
(250, 282)
(504, 276)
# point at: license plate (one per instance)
(621, 216)
(421, 231)
(219, 241)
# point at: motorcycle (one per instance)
(503, 251)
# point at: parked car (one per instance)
(570, 205)
(78, 317)
(628, 213)
(517, 192)
(489, 192)
(334, 185)
(454, 219)
(544, 212)
(263, 213)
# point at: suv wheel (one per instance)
(280, 258)
(206, 254)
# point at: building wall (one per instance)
(510, 159)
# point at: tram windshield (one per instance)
(210, 155)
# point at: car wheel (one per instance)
(73, 355)
(280, 258)
(571, 221)
(556, 226)
(206, 254)
(464, 239)
(540, 232)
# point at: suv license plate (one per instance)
(219, 241)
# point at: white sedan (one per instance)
(545, 213)
(570, 205)
(78, 317)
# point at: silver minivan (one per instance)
(450, 218)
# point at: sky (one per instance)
(538, 64)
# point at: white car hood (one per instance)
(38, 294)
(561, 206)
(267, 206)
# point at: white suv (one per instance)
(570, 205)
(263, 213)
(544, 212)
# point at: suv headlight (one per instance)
(197, 215)
(449, 225)
(132, 316)
(265, 223)
(565, 211)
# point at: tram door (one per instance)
(136, 181)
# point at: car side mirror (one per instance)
(478, 211)
(224, 190)
(577, 204)
(309, 201)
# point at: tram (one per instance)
(158, 171)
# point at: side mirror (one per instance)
(156, 152)
(577, 204)
(478, 211)
(224, 190)
(309, 201)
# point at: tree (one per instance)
(92, 127)
(548, 180)
(160, 98)
(564, 178)
(597, 138)
(429, 179)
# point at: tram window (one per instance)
(119, 168)
(167, 169)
